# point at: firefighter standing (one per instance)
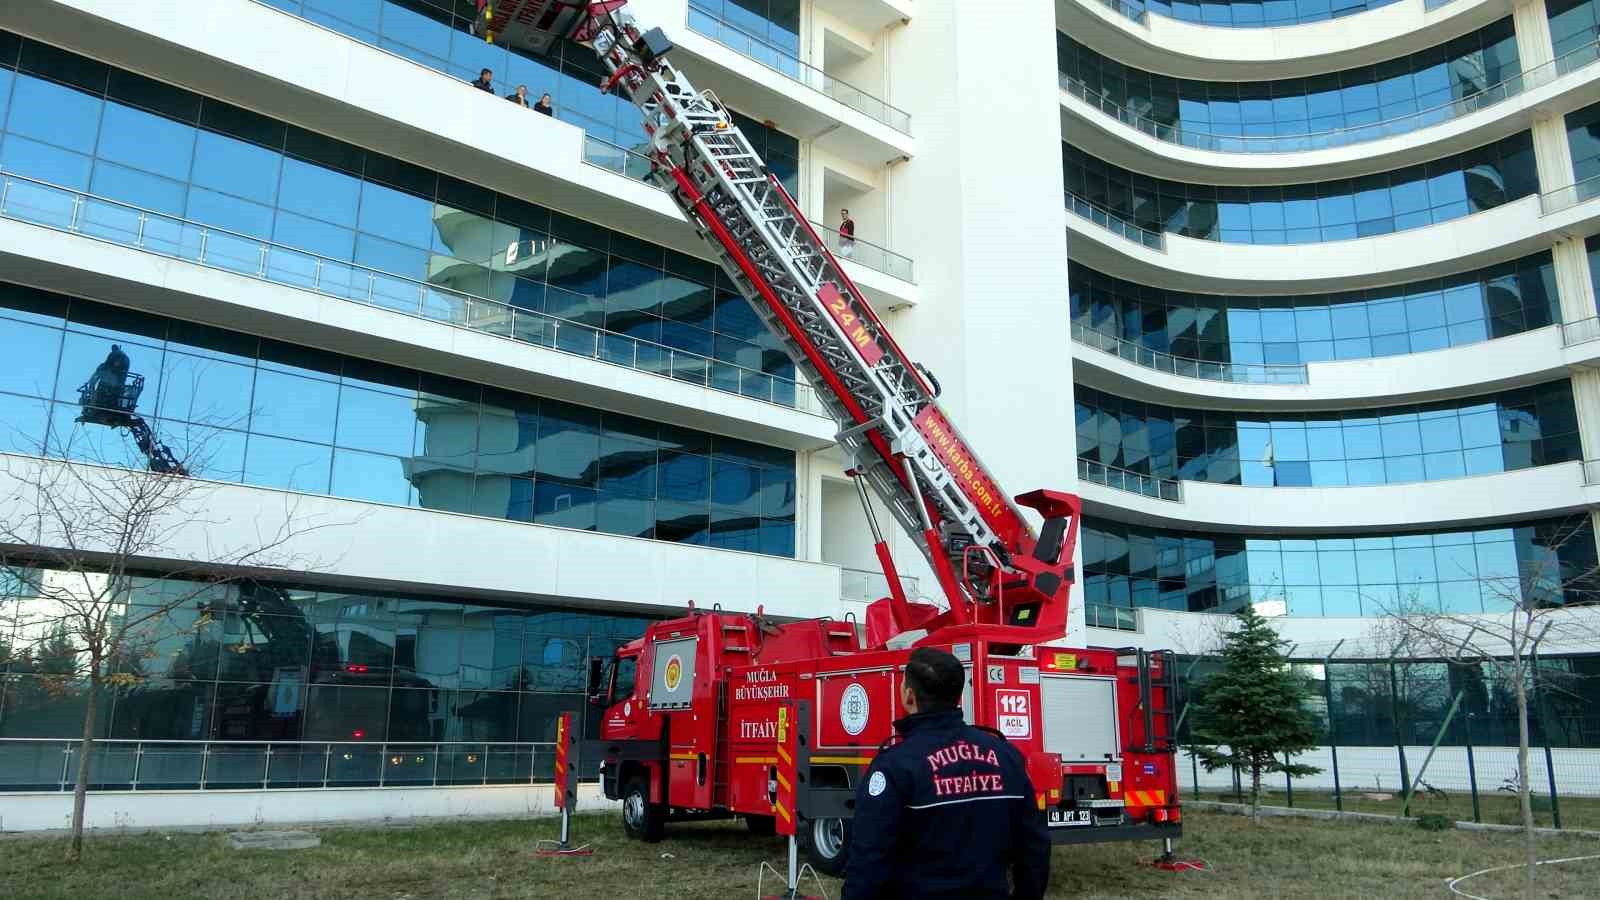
(948, 811)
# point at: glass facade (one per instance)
(775, 21)
(1338, 100)
(282, 416)
(436, 34)
(1257, 13)
(1573, 23)
(1493, 302)
(1469, 571)
(259, 662)
(73, 122)
(1583, 137)
(1413, 197)
(1519, 429)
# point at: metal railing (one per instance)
(1338, 137)
(1133, 12)
(784, 62)
(1101, 615)
(1567, 197)
(1580, 332)
(634, 165)
(1591, 471)
(868, 585)
(1169, 489)
(51, 764)
(1115, 223)
(1236, 373)
(40, 203)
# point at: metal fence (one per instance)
(626, 162)
(77, 212)
(1581, 331)
(786, 63)
(1490, 95)
(1184, 367)
(51, 764)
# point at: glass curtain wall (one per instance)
(261, 412)
(270, 662)
(1504, 432)
(1493, 302)
(1470, 571)
(1438, 191)
(1257, 13)
(1350, 98)
(79, 124)
(1573, 23)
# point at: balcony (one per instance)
(75, 212)
(1183, 367)
(1210, 142)
(785, 63)
(1132, 482)
(1117, 225)
(636, 166)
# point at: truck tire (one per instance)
(826, 843)
(641, 819)
(761, 825)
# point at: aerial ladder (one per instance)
(111, 397)
(997, 576)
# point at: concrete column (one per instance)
(808, 507)
(1532, 23)
(979, 208)
(1552, 153)
(1573, 281)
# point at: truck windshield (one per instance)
(622, 684)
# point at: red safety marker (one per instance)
(786, 816)
(566, 796)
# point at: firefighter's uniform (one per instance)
(947, 812)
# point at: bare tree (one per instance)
(1551, 599)
(104, 561)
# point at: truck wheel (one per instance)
(761, 825)
(641, 819)
(826, 843)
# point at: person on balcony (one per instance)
(545, 105)
(847, 234)
(485, 81)
(520, 96)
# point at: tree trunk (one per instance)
(1255, 795)
(1524, 786)
(80, 788)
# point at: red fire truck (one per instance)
(697, 707)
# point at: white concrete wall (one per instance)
(117, 810)
(1377, 769)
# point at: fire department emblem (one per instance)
(854, 709)
(674, 672)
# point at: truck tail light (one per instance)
(1161, 815)
(1174, 815)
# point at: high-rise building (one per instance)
(1312, 305)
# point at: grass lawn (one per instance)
(1281, 858)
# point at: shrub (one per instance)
(1434, 822)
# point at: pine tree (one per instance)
(1251, 713)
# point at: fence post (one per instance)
(1472, 772)
(1288, 781)
(1194, 767)
(1333, 739)
(1399, 735)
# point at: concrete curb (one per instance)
(1243, 809)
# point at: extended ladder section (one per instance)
(898, 439)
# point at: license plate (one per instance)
(1064, 818)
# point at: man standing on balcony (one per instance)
(847, 234)
(520, 96)
(485, 81)
(545, 106)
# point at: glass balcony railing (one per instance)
(784, 62)
(52, 206)
(637, 166)
(1115, 224)
(1101, 615)
(1580, 332)
(868, 585)
(1569, 196)
(1340, 137)
(1124, 480)
(1183, 367)
(51, 764)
